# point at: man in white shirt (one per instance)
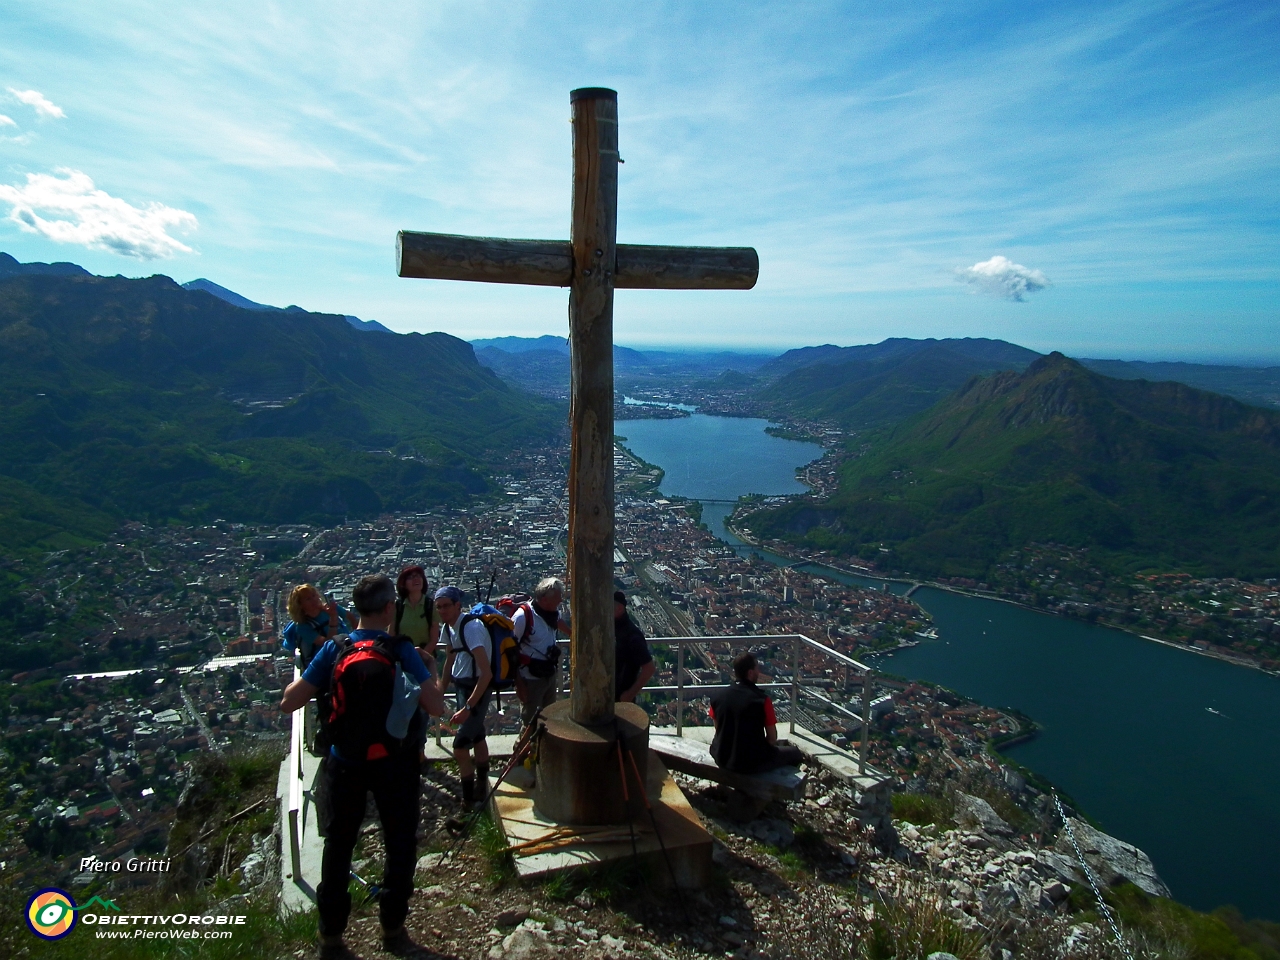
(535, 626)
(467, 665)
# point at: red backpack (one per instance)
(361, 689)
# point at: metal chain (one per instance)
(1093, 881)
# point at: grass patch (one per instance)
(616, 883)
(924, 808)
(917, 927)
(1165, 925)
(493, 846)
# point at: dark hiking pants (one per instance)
(396, 788)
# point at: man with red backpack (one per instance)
(370, 686)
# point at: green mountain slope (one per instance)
(995, 354)
(1147, 474)
(885, 383)
(139, 399)
(1259, 386)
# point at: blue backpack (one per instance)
(504, 650)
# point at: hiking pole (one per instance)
(518, 752)
(492, 580)
(626, 797)
(631, 824)
(644, 795)
(375, 891)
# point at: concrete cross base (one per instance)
(542, 847)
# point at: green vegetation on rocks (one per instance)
(1146, 475)
(138, 399)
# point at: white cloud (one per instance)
(38, 102)
(1001, 277)
(6, 121)
(77, 212)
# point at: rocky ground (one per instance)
(802, 880)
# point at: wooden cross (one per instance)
(592, 264)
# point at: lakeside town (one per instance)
(174, 641)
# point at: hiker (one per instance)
(415, 619)
(356, 677)
(534, 625)
(633, 663)
(467, 666)
(314, 617)
(415, 613)
(746, 739)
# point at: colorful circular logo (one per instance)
(51, 913)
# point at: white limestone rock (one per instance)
(1056, 865)
(975, 812)
(1112, 860)
(524, 943)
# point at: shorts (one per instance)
(472, 730)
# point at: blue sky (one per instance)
(1122, 159)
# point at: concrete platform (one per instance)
(552, 848)
(692, 757)
(816, 749)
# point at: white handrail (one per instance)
(297, 744)
(796, 641)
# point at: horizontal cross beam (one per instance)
(549, 263)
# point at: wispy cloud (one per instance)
(1001, 277)
(75, 211)
(38, 102)
(6, 121)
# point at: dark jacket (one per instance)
(740, 744)
(631, 652)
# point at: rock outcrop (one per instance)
(977, 813)
(1112, 860)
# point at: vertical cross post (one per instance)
(594, 240)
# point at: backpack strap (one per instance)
(395, 630)
(528, 621)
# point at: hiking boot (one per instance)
(399, 942)
(333, 948)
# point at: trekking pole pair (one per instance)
(519, 751)
(625, 749)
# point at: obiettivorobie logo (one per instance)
(51, 913)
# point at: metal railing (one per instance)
(297, 784)
(797, 642)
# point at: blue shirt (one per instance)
(305, 633)
(320, 669)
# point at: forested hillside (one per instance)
(1146, 474)
(139, 399)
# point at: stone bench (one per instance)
(751, 790)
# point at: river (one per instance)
(1128, 728)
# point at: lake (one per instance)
(1128, 730)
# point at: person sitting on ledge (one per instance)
(746, 739)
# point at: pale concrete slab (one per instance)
(692, 757)
(816, 749)
(500, 745)
(550, 847)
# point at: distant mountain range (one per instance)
(881, 384)
(233, 298)
(866, 386)
(140, 399)
(1146, 474)
(541, 364)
